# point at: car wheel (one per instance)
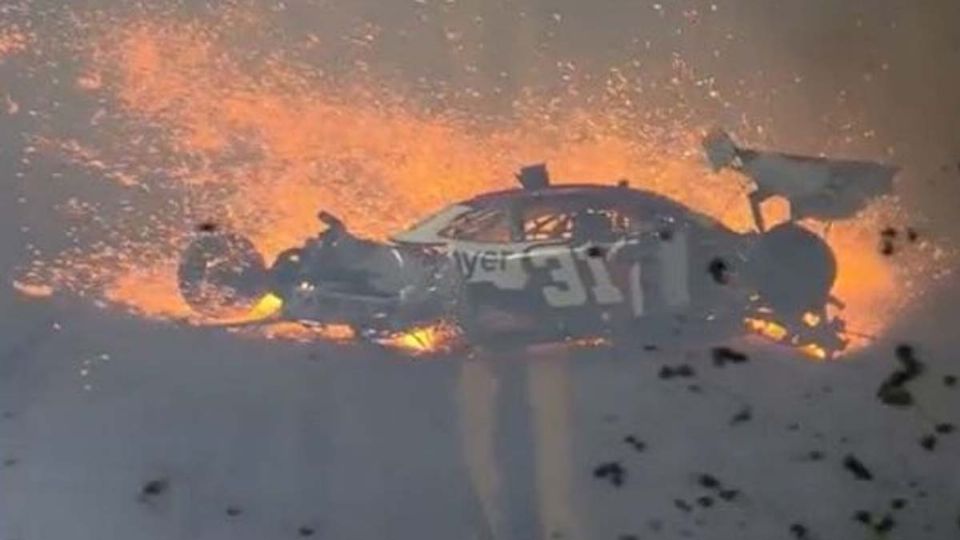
(793, 270)
(285, 273)
(221, 274)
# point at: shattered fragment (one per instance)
(613, 471)
(945, 428)
(154, 487)
(729, 494)
(855, 466)
(744, 415)
(708, 481)
(863, 516)
(596, 252)
(636, 443)
(907, 356)
(719, 271)
(799, 531)
(725, 355)
(893, 391)
(683, 371)
(885, 525)
(886, 248)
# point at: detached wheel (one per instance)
(794, 270)
(222, 275)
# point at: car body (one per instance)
(543, 263)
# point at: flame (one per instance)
(260, 142)
(778, 334)
(436, 338)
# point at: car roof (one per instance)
(426, 230)
(601, 191)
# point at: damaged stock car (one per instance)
(536, 264)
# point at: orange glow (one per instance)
(260, 146)
(437, 338)
(295, 331)
(12, 41)
(777, 333)
(767, 329)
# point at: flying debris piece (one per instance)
(207, 227)
(719, 271)
(612, 471)
(818, 188)
(743, 415)
(893, 391)
(885, 525)
(153, 489)
(596, 252)
(636, 443)
(945, 428)
(683, 371)
(708, 481)
(799, 531)
(725, 355)
(855, 466)
(729, 494)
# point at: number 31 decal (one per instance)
(567, 288)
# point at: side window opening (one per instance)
(482, 225)
(575, 218)
(548, 226)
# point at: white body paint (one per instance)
(576, 278)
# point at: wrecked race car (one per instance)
(540, 263)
